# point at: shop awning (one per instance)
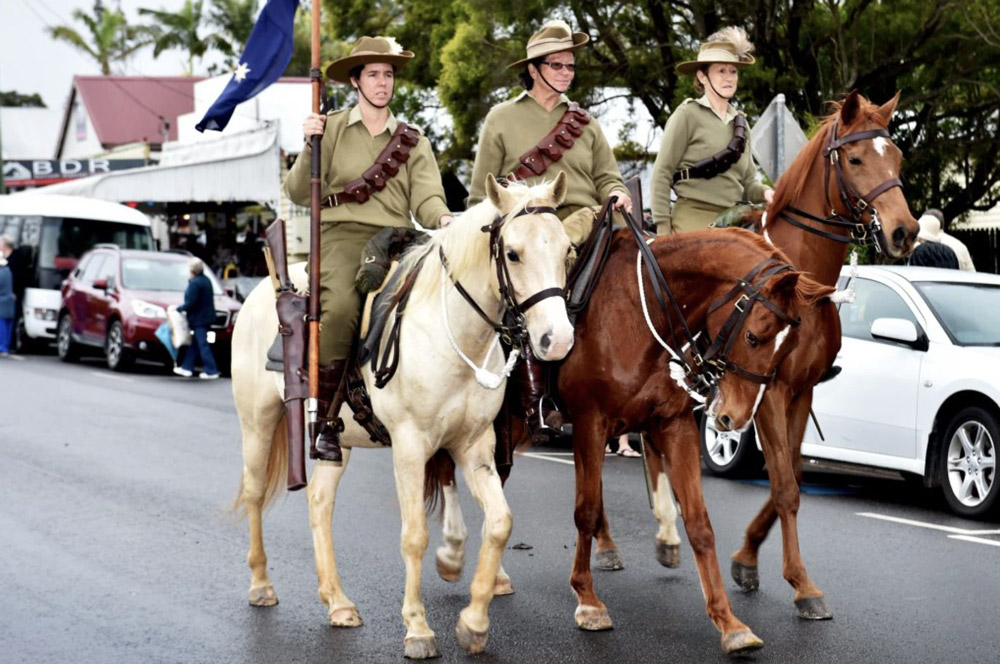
(238, 168)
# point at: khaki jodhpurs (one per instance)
(341, 245)
(689, 215)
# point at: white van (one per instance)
(51, 233)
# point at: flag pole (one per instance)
(314, 228)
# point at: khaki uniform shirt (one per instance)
(348, 150)
(694, 132)
(514, 127)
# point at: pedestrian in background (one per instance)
(199, 306)
(7, 308)
(932, 230)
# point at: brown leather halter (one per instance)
(857, 205)
(513, 328)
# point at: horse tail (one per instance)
(277, 471)
(439, 471)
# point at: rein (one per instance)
(859, 232)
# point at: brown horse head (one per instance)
(849, 152)
(760, 344)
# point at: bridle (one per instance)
(707, 361)
(857, 205)
(715, 358)
(513, 329)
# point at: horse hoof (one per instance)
(503, 586)
(470, 641)
(740, 642)
(668, 555)
(609, 560)
(813, 608)
(448, 572)
(592, 618)
(745, 576)
(263, 596)
(420, 647)
(348, 617)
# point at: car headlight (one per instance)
(148, 310)
(45, 314)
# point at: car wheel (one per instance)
(68, 351)
(119, 357)
(730, 454)
(968, 462)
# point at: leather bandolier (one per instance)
(386, 167)
(721, 161)
(291, 308)
(550, 149)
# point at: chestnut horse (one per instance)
(618, 378)
(850, 167)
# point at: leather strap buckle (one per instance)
(739, 303)
(332, 200)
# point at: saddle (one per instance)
(378, 279)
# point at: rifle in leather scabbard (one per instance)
(292, 327)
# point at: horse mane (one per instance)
(791, 184)
(465, 244)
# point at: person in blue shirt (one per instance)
(7, 306)
(199, 307)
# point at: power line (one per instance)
(34, 11)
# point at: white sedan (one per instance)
(919, 390)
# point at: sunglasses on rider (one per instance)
(558, 66)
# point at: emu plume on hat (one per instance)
(554, 36)
(367, 51)
(730, 45)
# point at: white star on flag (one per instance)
(241, 72)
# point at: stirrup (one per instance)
(544, 421)
(330, 449)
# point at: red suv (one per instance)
(116, 298)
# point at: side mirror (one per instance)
(101, 284)
(898, 330)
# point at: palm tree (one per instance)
(111, 38)
(180, 30)
(235, 20)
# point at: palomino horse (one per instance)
(436, 401)
(618, 379)
(850, 154)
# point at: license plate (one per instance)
(211, 337)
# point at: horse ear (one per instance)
(500, 197)
(559, 188)
(810, 292)
(888, 108)
(850, 108)
(786, 283)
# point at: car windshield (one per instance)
(969, 312)
(159, 275)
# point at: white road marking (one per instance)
(543, 457)
(109, 376)
(14, 357)
(976, 540)
(932, 526)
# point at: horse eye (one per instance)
(752, 339)
(854, 161)
(512, 256)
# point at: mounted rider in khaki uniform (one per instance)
(366, 187)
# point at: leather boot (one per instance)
(540, 414)
(325, 433)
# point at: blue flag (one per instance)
(267, 54)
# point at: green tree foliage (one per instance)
(234, 21)
(180, 30)
(107, 37)
(15, 98)
(943, 55)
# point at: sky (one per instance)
(30, 61)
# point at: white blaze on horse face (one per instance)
(880, 144)
(778, 340)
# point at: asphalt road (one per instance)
(118, 546)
